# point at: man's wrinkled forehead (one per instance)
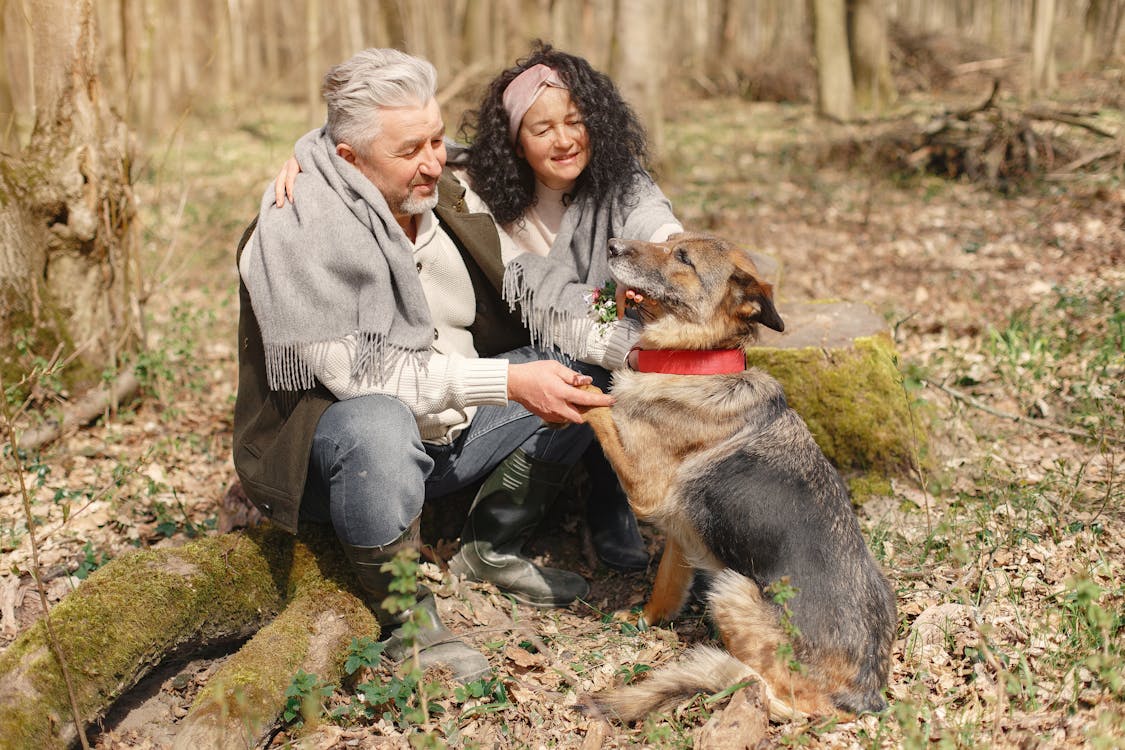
(410, 126)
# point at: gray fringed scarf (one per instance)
(334, 264)
(555, 289)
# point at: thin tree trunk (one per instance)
(834, 70)
(870, 54)
(640, 74)
(353, 28)
(314, 72)
(479, 33)
(1044, 77)
(8, 139)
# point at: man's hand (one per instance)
(284, 182)
(552, 391)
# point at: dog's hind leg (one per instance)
(669, 590)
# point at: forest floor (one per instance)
(1008, 559)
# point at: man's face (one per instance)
(405, 160)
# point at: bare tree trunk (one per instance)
(1100, 28)
(188, 23)
(834, 70)
(479, 32)
(8, 138)
(353, 28)
(870, 54)
(67, 237)
(1113, 30)
(314, 73)
(997, 34)
(238, 43)
(1044, 76)
(222, 73)
(640, 72)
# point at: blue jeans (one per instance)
(370, 472)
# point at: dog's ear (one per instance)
(755, 297)
(757, 304)
(767, 313)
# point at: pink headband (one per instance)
(522, 92)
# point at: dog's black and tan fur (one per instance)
(731, 475)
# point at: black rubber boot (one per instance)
(509, 505)
(437, 645)
(613, 527)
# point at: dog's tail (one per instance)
(754, 637)
(703, 669)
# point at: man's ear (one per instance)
(346, 152)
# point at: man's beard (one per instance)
(412, 206)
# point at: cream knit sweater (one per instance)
(443, 395)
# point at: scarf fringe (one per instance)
(549, 327)
(286, 370)
(292, 367)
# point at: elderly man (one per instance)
(378, 367)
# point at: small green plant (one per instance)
(780, 591)
(363, 652)
(90, 561)
(304, 698)
(630, 672)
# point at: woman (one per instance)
(558, 159)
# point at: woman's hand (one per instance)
(552, 391)
(284, 182)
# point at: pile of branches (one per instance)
(1002, 147)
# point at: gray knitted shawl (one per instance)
(555, 289)
(335, 263)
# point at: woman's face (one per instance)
(553, 139)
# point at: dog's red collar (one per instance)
(690, 361)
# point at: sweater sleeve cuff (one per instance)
(609, 346)
(485, 381)
(664, 231)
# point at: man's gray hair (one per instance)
(374, 79)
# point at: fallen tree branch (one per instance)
(977, 404)
(244, 697)
(1067, 119)
(82, 412)
(1086, 159)
(130, 615)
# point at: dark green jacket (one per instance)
(273, 431)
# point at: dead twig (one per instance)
(1067, 119)
(988, 103)
(40, 587)
(977, 404)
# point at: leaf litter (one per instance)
(1007, 565)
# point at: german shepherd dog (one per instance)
(731, 475)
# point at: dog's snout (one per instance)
(617, 247)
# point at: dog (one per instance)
(732, 476)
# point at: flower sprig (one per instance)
(603, 302)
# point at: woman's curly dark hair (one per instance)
(617, 142)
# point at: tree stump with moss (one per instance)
(837, 363)
(143, 608)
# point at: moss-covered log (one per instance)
(128, 617)
(837, 363)
(243, 698)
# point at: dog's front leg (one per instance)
(600, 419)
(669, 590)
